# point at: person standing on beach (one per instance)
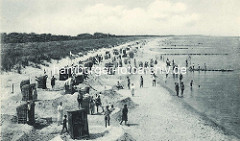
(92, 105)
(180, 77)
(132, 89)
(124, 115)
(167, 73)
(64, 124)
(112, 108)
(128, 79)
(154, 80)
(173, 63)
(107, 116)
(177, 88)
(53, 82)
(182, 88)
(80, 99)
(99, 103)
(141, 82)
(60, 113)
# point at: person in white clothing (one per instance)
(60, 113)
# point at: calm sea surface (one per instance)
(219, 93)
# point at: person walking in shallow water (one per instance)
(124, 115)
(180, 77)
(177, 88)
(182, 88)
(128, 79)
(141, 82)
(191, 84)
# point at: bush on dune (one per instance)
(38, 52)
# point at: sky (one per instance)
(122, 17)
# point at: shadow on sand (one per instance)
(97, 135)
(132, 124)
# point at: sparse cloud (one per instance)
(156, 17)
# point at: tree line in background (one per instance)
(33, 37)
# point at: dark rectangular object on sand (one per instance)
(29, 92)
(22, 114)
(78, 124)
(24, 82)
(42, 80)
(86, 104)
(26, 114)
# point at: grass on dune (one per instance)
(20, 54)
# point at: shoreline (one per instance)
(209, 121)
(189, 107)
(125, 93)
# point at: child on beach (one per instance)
(124, 115)
(64, 124)
(107, 116)
(119, 86)
(60, 113)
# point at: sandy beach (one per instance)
(154, 112)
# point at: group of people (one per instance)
(93, 102)
(106, 112)
(60, 118)
(131, 86)
(109, 111)
(179, 86)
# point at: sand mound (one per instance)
(127, 101)
(118, 115)
(126, 137)
(111, 94)
(48, 108)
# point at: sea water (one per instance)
(214, 93)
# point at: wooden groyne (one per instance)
(222, 70)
